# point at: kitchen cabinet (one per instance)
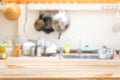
(44, 68)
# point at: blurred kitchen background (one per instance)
(91, 22)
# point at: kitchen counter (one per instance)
(43, 68)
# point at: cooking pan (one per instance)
(39, 23)
(60, 22)
(47, 18)
(44, 22)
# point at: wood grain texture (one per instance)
(62, 79)
(43, 68)
(64, 1)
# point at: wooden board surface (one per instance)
(64, 1)
(63, 69)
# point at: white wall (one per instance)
(8, 29)
(89, 27)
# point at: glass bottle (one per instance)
(67, 47)
(9, 47)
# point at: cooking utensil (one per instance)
(44, 22)
(116, 27)
(11, 11)
(60, 22)
(39, 23)
(47, 18)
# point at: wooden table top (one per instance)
(43, 67)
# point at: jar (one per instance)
(27, 48)
(3, 54)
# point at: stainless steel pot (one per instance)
(60, 22)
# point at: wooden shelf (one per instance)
(74, 6)
(64, 1)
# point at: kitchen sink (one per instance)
(89, 56)
(79, 56)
